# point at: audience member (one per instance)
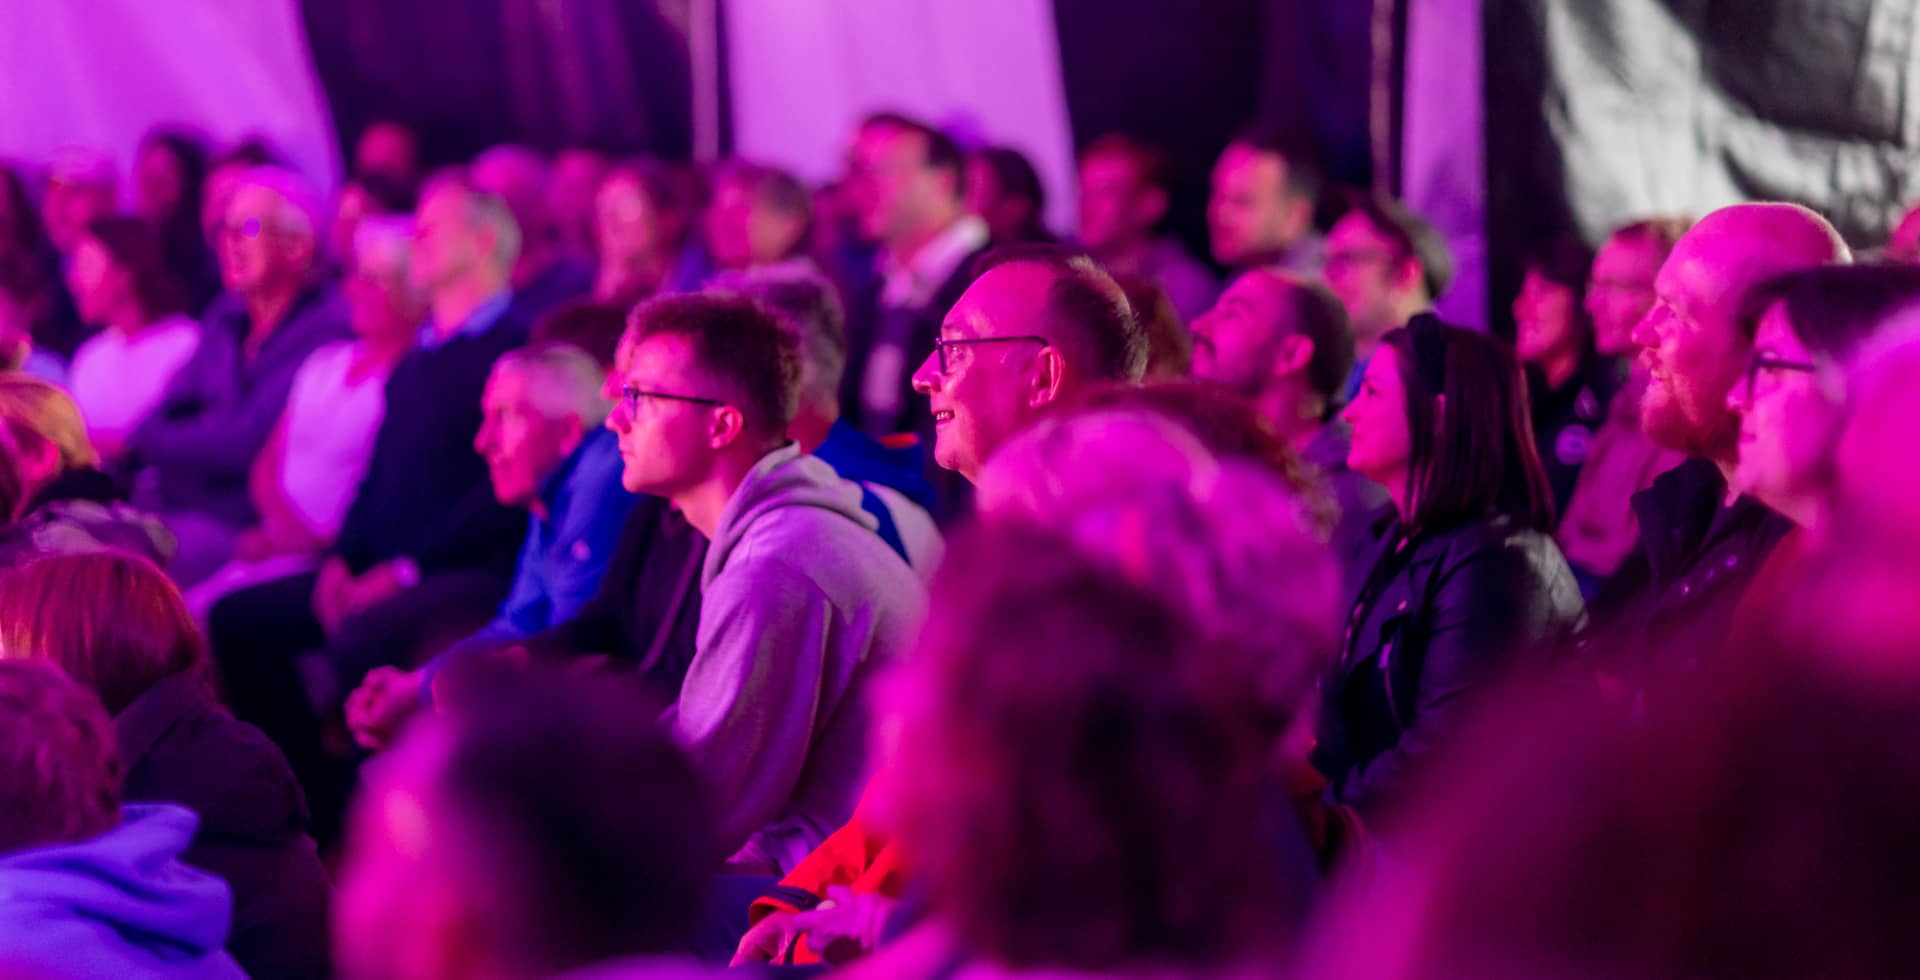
(424, 540)
(907, 182)
(760, 216)
(307, 474)
(1806, 327)
(89, 887)
(1569, 382)
(224, 175)
(1040, 325)
(218, 412)
(66, 504)
(547, 450)
(169, 178)
(577, 174)
(1284, 342)
(544, 274)
(32, 292)
(117, 625)
(544, 827)
(1386, 264)
(120, 282)
(1463, 582)
(592, 327)
(82, 185)
(1702, 539)
(390, 150)
(1169, 342)
(801, 599)
(361, 198)
(1125, 187)
(1007, 193)
(1262, 209)
(642, 219)
(1046, 841)
(1598, 527)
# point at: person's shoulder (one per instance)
(225, 770)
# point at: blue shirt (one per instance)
(477, 322)
(567, 551)
(860, 458)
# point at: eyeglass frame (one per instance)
(630, 398)
(941, 344)
(1758, 362)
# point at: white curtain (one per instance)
(100, 73)
(803, 72)
(1443, 153)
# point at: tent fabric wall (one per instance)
(102, 73)
(1443, 158)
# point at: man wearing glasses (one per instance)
(1386, 264)
(801, 599)
(1702, 541)
(1039, 324)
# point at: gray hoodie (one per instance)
(801, 603)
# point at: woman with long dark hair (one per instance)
(169, 178)
(121, 282)
(1571, 382)
(1461, 578)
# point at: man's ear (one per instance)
(1153, 206)
(1293, 354)
(1045, 378)
(1407, 274)
(727, 427)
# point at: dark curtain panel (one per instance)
(611, 74)
(1600, 111)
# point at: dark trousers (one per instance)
(259, 635)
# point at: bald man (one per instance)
(1701, 542)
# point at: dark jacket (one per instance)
(1565, 419)
(868, 321)
(1431, 622)
(179, 747)
(647, 609)
(427, 495)
(1669, 608)
(82, 511)
(220, 408)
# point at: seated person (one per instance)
(425, 541)
(198, 445)
(117, 625)
(474, 854)
(88, 887)
(305, 478)
(66, 503)
(120, 282)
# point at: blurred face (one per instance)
(1382, 449)
(521, 445)
(1621, 292)
(743, 232)
(261, 247)
(352, 207)
(216, 196)
(1006, 216)
(890, 185)
(625, 222)
(1370, 275)
(70, 206)
(576, 181)
(1787, 417)
(1692, 349)
(386, 148)
(987, 391)
(158, 183)
(98, 283)
(1546, 321)
(1234, 342)
(1250, 216)
(382, 301)
(1117, 208)
(446, 247)
(667, 445)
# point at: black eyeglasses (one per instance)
(631, 396)
(940, 346)
(1758, 362)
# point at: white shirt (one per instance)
(330, 431)
(913, 285)
(118, 380)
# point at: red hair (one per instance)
(112, 621)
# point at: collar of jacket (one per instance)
(1677, 517)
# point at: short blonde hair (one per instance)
(37, 411)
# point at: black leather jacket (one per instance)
(1430, 621)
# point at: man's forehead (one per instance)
(1008, 299)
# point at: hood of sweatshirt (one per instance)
(783, 478)
(122, 900)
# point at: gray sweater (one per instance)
(802, 602)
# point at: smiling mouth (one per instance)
(942, 417)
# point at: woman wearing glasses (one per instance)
(1805, 327)
(1461, 575)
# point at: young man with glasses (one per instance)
(1039, 323)
(1386, 264)
(801, 599)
